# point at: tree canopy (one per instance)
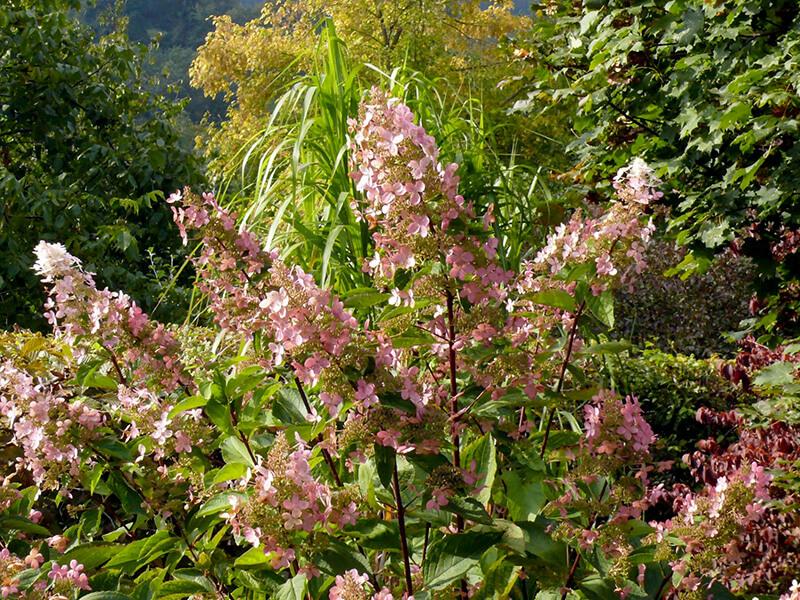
(86, 149)
(707, 92)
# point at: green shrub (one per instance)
(671, 388)
(86, 154)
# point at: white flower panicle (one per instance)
(53, 260)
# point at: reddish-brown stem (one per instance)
(451, 344)
(451, 341)
(122, 379)
(325, 454)
(571, 575)
(570, 342)
(401, 523)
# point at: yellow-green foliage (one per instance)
(461, 41)
(34, 352)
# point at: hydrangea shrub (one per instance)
(431, 436)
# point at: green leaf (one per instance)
(111, 446)
(714, 235)
(376, 533)
(216, 504)
(338, 557)
(142, 552)
(525, 497)
(24, 525)
(384, 462)
(540, 544)
(294, 589)
(469, 508)
(187, 404)
(739, 111)
(93, 554)
(607, 348)
(364, 298)
(555, 298)
(220, 415)
(230, 471)
(777, 374)
(130, 498)
(289, 408)
(95, 379)
(602, 307)
(482, 453)
(450, 558)
(254, 557)
(234, 451)
(105, 596)
(180, 588)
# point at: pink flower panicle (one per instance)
(733, 526)
(72, 573)
(250, 290)
(77, 310)
(352, 585)
(613, 243)
(617, 427)
(285, 501)
(412, 202)
(47, 424)
(636, 183)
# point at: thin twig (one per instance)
(325, 454)
(451, 344)
(122, 379)
(570, 341)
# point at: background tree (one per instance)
(706, 92)
(460, 41)
(84, 152)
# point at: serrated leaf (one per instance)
(187, 404)
(338, 557)
(252, 558)
(364, 298)
(779, 373)
(450, 558)
(234, 451)
(93, 554)
(142, 552)
(230, 471)
(607, 348)
(130, 498)
(482, 453)
(24, 525)
(289, 408)
(384, 462)
(525, 497)
(216, 504)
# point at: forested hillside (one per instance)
(180, 27)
